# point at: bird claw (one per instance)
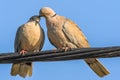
(66, 48)
(22, 52)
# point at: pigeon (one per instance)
(63, 33)
(29, 38)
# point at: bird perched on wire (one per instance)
(64, 34)
(29, 38)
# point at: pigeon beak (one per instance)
(39, 16)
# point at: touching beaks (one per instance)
(39, 16)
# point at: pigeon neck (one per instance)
(37, 22)
(54, 15)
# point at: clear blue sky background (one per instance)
(99, 20)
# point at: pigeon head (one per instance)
(35, 18)
(46, 12)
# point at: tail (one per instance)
(22, 69)
(97, 67)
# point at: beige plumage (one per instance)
(30, 38)
(63, 32)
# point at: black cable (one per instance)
(60, 55)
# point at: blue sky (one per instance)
(99, 20)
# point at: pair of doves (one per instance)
(62, 33)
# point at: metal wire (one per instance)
(60, 55)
